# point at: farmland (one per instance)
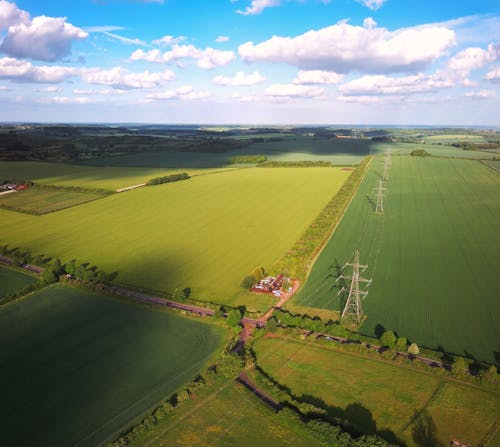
(11, 280)
(226, 415)
(41, 201)
(78, 367)
(206, 233)
(381, 397)
(433, 255)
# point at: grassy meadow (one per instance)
(381, 397)
(224, 416)
(206, 233)
(78, 367)
(42, 201)
(433, 255)
(12, 280)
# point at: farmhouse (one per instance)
(270, 284)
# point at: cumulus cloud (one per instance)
(167, 41)
(42, 38)
(482, 94)
(245, 98)
(372, 4)
(343, 48)
(222, 39)
(122, 79)
(493, 75)
(369, 23)
(257, 6)
(185, 92)
(294, 91)
(10, 15)
(22, 71)
(240, 79)
(473, 58)
(317, 77)
(386, 85)
(207, 59)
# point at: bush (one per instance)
(168, 179)
(248, 282)
(419, 153)
(459, 367)
(413, 349)
(401, 344)
(388, 340)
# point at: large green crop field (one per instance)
(381, 397)
(11, 280)
(41, 201)
(223, 416)
(206, 233)
(433, 255)
(78, 367)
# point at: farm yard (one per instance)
(41, 201)
(381, 397)
(12, 280)
(206, 233)
(62, 346)
(433, 255)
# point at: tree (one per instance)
(413, 349)
(459, 367)
(49, 276)
(233, 318)
(272, 325)
(401, 344)
(57, 267)
(490, 376)
(388, 339)
(248, 282)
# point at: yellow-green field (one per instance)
(205, 233)
(402, 404)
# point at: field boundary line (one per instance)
(489, 166)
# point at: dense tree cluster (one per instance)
(168, 179)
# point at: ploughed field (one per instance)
(206, 233)
(78, 367)
(11, 281)
(398, 403)
(433, 255)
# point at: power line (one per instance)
(380, 190)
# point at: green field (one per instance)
(433, 255)
(206, 233)
(78, 367)
(104, 177)
(12, 280)
(42, 201)
(381, 397)
(226, 415)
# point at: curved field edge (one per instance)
(432, 255)
(13, 280)
(375, 396)
(116, 359)
(206, 233)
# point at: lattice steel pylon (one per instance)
(353, 307)
(380, 190)
(387, 163)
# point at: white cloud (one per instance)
(125, 40)
(105, 92)
(472, 59)
(10, 15)
(49, 89)
(245, 98)
(317, 77)
(22, 71)
(386, 85)
(222, 39)
(372, 4)
(482, 94)
(43, 38)
(185, 92)
(240, 79)
(369, 23)
(257, 6)
(70, 100)
(168, 40)
(122, 79)
(493, 75)
(343, 48)
(207, 59)
(294, 91)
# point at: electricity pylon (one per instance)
(353, 305)
(387, 163)
(380, 190)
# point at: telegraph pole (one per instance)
(353, 305)
(380, 190)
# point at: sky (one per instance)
(262, 62)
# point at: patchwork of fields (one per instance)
(433, 255)
(206, 233)
(11, 280)
(78, 367)
(381, 397)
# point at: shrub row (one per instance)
(296, 164)
(168, 179)
(250, 159)
(297, 261)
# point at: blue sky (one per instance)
(251, 61)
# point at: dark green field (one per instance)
(382, 397)
(78, 367)
(433, 255)
(11, 280)
(42, 201)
